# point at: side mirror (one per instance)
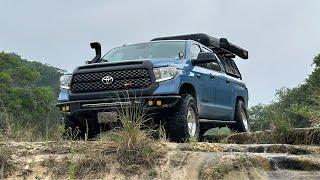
(204, 57)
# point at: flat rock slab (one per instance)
(293, 175)
(45, 160)
(307, 136)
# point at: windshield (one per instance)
(150, 50)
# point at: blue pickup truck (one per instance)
(185, 81)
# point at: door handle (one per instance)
(204, 100)
(198, 75)
(211, 76)
(227, 81)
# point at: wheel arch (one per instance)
(188, 88)
(240, 98)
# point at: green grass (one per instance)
(280, 123)
(133, 139)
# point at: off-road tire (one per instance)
(176, 124)
(79, 126)
(239, 115)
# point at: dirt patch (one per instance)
(201, 147)
(6, 165)
(229, 165)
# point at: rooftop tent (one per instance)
(220, 46)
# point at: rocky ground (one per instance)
(39, 160)
(62, 160)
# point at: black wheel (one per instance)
(71, 128)
(77, 127)
(184, 120)
(241, 118)
(91, 125)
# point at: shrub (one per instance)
(217, 134)
(280, 122)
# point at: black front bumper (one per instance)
(112, 104)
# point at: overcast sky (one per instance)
(282, 37)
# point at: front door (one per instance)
(208, 92)
(208, 84)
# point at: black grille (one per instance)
(122, 80)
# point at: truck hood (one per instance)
(158, 62)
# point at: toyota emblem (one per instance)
(107, 80)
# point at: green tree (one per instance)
(28, 92)
(300, 105)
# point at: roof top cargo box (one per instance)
(220, 46)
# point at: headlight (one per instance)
(164, 73)
(65, 81)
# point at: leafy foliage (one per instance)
(217, 134)
(297, 107)
(27, 92)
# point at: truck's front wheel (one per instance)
(79, 127)
(183, 124)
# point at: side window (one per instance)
(231, 67)
(195, 50)
(214, 66)
(206, 50)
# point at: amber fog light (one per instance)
(159, 102)
(150, 103)
(65, 108)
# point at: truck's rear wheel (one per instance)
(241, 118)
(184, 121)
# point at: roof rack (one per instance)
(220, 46)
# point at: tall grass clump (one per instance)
(133, 138)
